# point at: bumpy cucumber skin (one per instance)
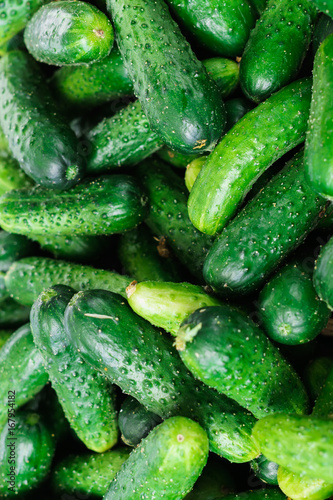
(276, 48)
(261, 137)
(38, 137)
(318, 147)
(146, 366)
(89, 474)
(322, 272)
(289, 308)
(27, 278)
(90, 85)
(66, 32)
(86, 397)
(34, 448)
(182, 103)
(248, 369)
(106, 205)
(14, 15)
(223, 27)
(13, 247)
(21, 370)
(12, 176)
(168, 216)
(135, 421)
(165, 465)
(225, 74)
(270, 226)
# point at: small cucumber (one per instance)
(12, 176)
(322, 272)
(135, 421)
(265, 470)
(225, 74)
(165, 465)
(248, 369)
(13, 247)
(261, 137)
(68, 33)
(276, 48)
(235, 109)
(15, 15)
(192, 171)
(106, 205)
(184, 108)
(269, 227)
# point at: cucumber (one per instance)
(86, 397)
(135, 421)
(216, 479)
(224, 72)
(323, 28)
(271, 225)
(21, 370)
(325, 6)
(26, 452)
(166, 304)
(186, 112)
(223, 29)
(88, 474)
(318, 156)
(289, 308)
(192, 171)
(13, 247)
(74, 248)
(261, 137)
(90, 85)
(259, 5)
(29, 277)
(265, 470)
(315, 374)
(38, 137)
(15, 15)
(12, 314)
(106, 205)
(276, 48)
(235, 109)
(12, 176)
(68, 33)
(3, 289)
(165, 465)
(248, 369)
(14, 43)
(322, 272)
(4, 336)
(324, 403)
(147, 367)
(260, 494)
(168, 216)
(174, 158)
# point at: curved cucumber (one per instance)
(135, 421)
(15, 15)
(67, 32)
(322, 272)
(106, 205)
(12, 176)
(186, 112)
(261, 137)
(248, 369)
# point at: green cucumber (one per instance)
(315, 374)
(135, 421)
(181, 102)
(269, 227)
(225, 74)
(261, 137)
(68, 33)
(168, 216)
(3, 289)
(174, 158)
(192, 171)
(165, 465)
(21, 369)
(12, 313)
(289, 308)
(259, 5)
(4, 146)
(39, 138)
(166, 304)
(235, 109)
(90, 85)
(88, 474)
(322, 272)
(26, 452)
(106, 205)
(294, 440)
(224, 349)
(216, 479)
(325, 6)
(15, 15)
(323, 28)
(324, 402)
(147, 367)
(318, 156)
(13, 247)
(4, 336)
(86, 397)
(29, 277)
(260, 494)
(223, 29)
(276, 48)
(14, 43)
(12, 176)
(74, 248)
(265, 470)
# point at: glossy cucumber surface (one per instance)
(14, 16)
(135, 421)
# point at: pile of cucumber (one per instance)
(166, 260)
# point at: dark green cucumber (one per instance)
(259, 5)
(21, 370)
(68, 33)
(271, 225)
(289, 308)
(265, 470)
(39, 138)
(174, 158)
(325, 6)
(90, 85)
(224, 349)
(225, 74)
(235, 109)
(88, 474)
(323, 28)
(26, 452)
(276, 48)
(168, 216)
(106, 205)
(224, 29)
(74, 248)
(135, 421)
(15, 15)
(146, 366)
(322, 272)
(315, 374)
(4, 336)
(3, 289)
(259, 494)
(245, 152)
(12, 314)
(166, 304)
(144, 258)
(14, 43)
(318, 146)
(13, 247)
(216, 479)
(182, 103)
(12, 176)
(86, 397)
